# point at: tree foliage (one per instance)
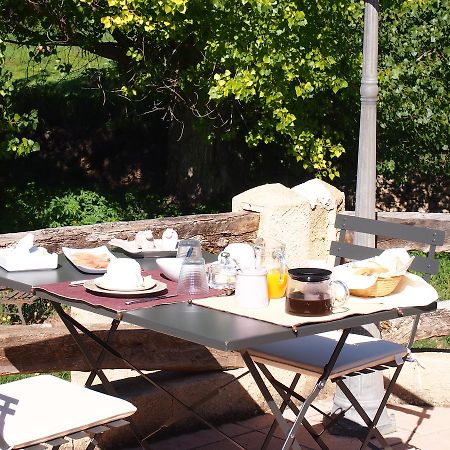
(414, 111)
(269, 69)
(14, 127)
(279, 72)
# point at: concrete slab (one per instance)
(424, 383)
(418, 428)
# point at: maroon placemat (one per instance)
(64, 291)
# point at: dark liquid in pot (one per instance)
(308, 305)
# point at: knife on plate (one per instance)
(78, 282)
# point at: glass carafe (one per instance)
(193, 279)
(270, 254)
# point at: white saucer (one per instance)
(101, 282)
(157, 287)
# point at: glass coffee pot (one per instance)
(310, 292)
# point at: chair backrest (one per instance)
(427, 265)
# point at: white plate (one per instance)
(131, 249)
(149, 283)
(90, 286)
(71, 253)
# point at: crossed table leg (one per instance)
(75, 328)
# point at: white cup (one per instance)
(124, 273)
(251, 288)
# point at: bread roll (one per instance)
(369, 268)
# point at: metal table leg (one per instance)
(287, 394)
(73, 325)
(114, 325)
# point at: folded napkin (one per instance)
(365, 273)
(24, 256)
(395, 260)
(24, 245)
(145, 242)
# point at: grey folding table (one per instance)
(197, 324)
(194, 323)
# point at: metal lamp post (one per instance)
(367, 388)
(367, 151)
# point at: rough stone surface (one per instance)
(284, 216)
(326, 201)
(215, 231)
(302, 217)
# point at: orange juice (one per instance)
(276, 283)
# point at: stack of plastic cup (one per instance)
(189, 247)
(193, 279)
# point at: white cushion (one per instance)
(41, 408)
(310, 354)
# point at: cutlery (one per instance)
(158, 297)
(77, 283)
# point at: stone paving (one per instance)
(418, 428)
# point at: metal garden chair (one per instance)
(331, 355)
(44, 411)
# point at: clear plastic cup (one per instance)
(190, 248)
(193, 279)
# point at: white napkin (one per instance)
(24, 256)
(353, 281)
(25, 248)
(144, 240)
(169, 239)
(24, 245)
(395, 260)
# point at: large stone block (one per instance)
(302, 217)
(325, 201)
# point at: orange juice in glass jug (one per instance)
(270, 255)
(276, 283)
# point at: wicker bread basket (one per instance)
(382, 287)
